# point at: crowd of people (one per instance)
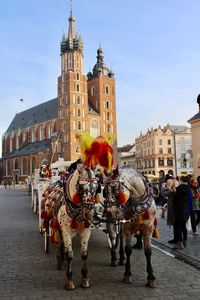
(181, 198)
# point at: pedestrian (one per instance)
(181, 212)
(9, 183)
(168, 191)
(194, 205)
(198, 208)
(5, 183)
(160, 199)
(13, 184)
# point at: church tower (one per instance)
(101, 92)
(85, 103)
(72, 92)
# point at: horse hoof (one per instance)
(85, 283)
(121, 263)
(70, 285)
(151, 284)
(113, 263)
(127, 279)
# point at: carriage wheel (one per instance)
(46, 242)
(35, 205)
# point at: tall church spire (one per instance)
(71, 30)
(73, 41)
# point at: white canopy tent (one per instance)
(61, 164)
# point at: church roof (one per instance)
(31, 148)
(43, 112)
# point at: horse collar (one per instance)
(143, 206)
(73, 213)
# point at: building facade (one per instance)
(195, 130)
(83, 103)
(165, 149)
(126, 156)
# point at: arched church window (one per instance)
(94, 128)
(69, 61)
(24, 166)
(77, 76)
(33, 164)
(79, 125)
(107, 89)
(92, 91)
(78, 100)
(16, 165)
(33, 135)
(108, 128)
(8, 168)
(77, 88)
(108, 116)
(107, 104)
(79, 113)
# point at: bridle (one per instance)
(86, 188)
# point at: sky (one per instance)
(153, 47)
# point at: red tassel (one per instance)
(76, 198)
(139, 220)
(74, 224)
(122, 198)
(147, 215)
(86, 224)
(155, 222)
(43, 215)
(55, 224)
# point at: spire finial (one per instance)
(71, 30)
(70, 8)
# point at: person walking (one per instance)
(181, 212)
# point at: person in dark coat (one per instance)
(181, 212)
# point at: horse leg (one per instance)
(121, 248)
(67, 239)
(128, 250)
(85, 283)
(147, 250)
(112, 236)
(60, 255)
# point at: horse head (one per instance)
(113, 193)
(80, 190)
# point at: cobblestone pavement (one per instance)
(191, 253)
(26, 272)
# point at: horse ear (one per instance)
(116, 173)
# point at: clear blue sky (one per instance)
(153, 46)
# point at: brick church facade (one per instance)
(47, 131)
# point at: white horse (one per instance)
(131, 202)
(71, 211)
(75, 217)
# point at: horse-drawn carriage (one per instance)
(71, 206)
